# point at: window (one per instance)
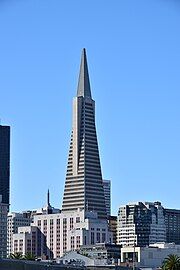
(103, 237)
(39, 223)
(98, 237)
(77, 219)
(58, 221)
(51, 221)
(72, 242)
(92, 238)
(45, 222)
(71, 223)
(78, 242)
(64, 221)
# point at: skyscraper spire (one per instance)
(84, 186)
(84, 89)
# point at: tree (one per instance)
(29, 256)
(172, 262)
(17, 256)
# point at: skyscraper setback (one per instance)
(84, 186)
(4, 163)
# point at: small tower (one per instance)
(49, 207)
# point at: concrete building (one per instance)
(107, 194)
(141, 224)
(14, 221)
(4, 163)
(148, 257)
(3, 228)
(76, 258)
(95, 255)
(102, 251)
(27, 240)
(59, 233)
(84, 185)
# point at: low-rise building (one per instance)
(14, 221)
(63, 232)
(151, 256)
(103, 251)
(26, 240)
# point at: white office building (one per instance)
(59, 233)
(151, 256)
(14, 221)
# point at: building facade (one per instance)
(58, 233)
(150, 257)
(3, 228)
(172, 222)
(110, 252)
(27, 241)
(107, 195)
(4, 163)
(14, 221)
(141, 224)
(112, 221)
(84, 186)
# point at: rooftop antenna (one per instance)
(48, 198)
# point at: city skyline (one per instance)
(134, 67)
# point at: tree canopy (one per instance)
(172, 262)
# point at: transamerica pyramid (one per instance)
(83, 185)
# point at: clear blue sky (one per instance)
(133, 50)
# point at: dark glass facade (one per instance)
(4, 163)
(172, 221)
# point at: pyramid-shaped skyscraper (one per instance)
(83, 185)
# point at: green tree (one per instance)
(172, 262)
(29, 256)
(17, 256)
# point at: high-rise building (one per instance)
(172, 221)
(141, 224)
(84, 185)
(107, 195)
(83, 219)
(3, 228)
(4, 163)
